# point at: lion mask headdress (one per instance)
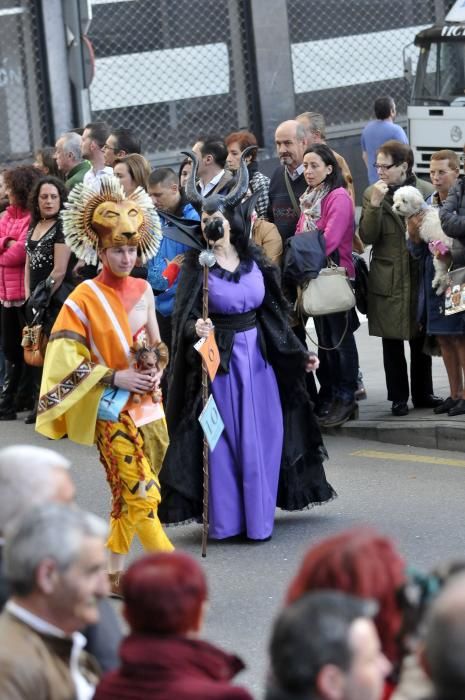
(93, 221)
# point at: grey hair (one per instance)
(72, 144)
(26, 478)
(48, 531)
(316, 122)
(300, 132)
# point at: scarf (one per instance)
(310, 205)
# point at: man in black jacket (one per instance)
(213, 178)
(325, 647)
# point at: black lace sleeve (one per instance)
(59, 236)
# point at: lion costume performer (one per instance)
(87, 379)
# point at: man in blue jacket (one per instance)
(176, 215)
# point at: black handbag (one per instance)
(304, 257)
(361, 283)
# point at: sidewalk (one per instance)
(421, 428)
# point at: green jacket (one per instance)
(394, 275)
(76, 174)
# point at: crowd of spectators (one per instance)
(356, 623)
(307, 192)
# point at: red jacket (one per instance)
(172, 668)
(14, 225)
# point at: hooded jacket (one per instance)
(172, 668)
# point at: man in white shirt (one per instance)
(93, 141)
(56, 566)
(213, 178)
(30, 475)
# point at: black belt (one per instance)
(235, 322)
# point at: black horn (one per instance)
(242, 181)
(190, 189)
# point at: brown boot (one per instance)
(115, 584)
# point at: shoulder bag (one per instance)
(329, 293)
(34, 344)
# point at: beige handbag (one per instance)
(329, 293)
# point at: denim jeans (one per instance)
(341, 364)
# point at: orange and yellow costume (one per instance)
(90, 338)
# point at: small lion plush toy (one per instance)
(149, 357)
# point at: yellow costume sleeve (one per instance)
(70, 392)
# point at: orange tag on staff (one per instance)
(208, 348)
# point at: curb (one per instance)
(446, 435)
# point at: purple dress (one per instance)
(244, 466)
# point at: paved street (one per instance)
(415, 495)
(411, 493)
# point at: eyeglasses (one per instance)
(381, 167)
(106, 147)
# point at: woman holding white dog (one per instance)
(448, 330)
(394, 281)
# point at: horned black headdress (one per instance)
(217, 202)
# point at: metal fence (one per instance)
(172, 70)
(345, 54)
(23, 116)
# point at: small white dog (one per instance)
(409, 201)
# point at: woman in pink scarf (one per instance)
(327, 206)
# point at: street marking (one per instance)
(404, 457)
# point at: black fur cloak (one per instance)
(302, 480)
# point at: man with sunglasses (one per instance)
(119, 143)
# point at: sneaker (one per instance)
(399, 408)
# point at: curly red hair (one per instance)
(361, 562)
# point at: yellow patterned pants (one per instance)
(125, 452)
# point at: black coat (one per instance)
(452, 215)
(302, 480)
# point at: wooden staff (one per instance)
(205, 441)
(206, 259)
